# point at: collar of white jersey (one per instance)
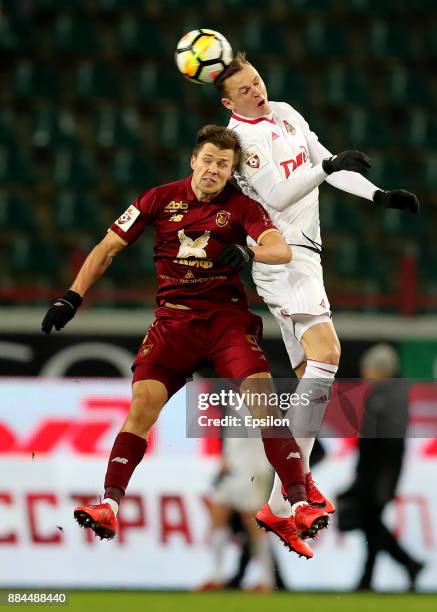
(268, 117)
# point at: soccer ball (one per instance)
(202, 54)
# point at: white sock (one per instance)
(295, 506)
(278, 505)
(219, 539)
(112, 503)
(325, 373)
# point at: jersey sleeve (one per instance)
(345, 180)
(131, 224)
(254, 219)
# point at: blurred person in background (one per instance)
(229, 518)
(282, 165)
(241, 486)
(381, 451)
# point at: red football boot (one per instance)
(309, 520)
(100, 518)
(315, 496)
(285, 529)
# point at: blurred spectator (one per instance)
(228, 522)
(242, 486)
(381, 452)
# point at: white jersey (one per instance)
(277, 147)
(281, 167)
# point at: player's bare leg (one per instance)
(284, 455)
(148, 398)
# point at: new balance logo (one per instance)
(293, 456)
(124, 460)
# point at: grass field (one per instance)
(240, 602)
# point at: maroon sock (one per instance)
(283, 454)
(126, 454)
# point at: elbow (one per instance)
(286, 254)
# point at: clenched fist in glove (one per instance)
(62, 311)
(348, 160)
(398, 198)
(236, 256)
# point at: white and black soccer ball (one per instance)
(202, 54)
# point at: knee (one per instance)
(330, 354)
(143, 413)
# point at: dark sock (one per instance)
(283, 454)
(126, 454)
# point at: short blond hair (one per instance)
(237, 64)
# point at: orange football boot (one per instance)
(100, 518)
(315, 496)
(285, 529)
(309, 520)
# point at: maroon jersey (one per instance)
(189, 238)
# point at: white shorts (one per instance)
(244, 492)
(246, 485)
(296, 297)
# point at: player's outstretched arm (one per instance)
(100, 258)
(358, 185)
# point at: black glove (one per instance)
(348, 160)
(398, 198)
(235, 256)
(62, 311)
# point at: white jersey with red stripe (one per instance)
(277, 147)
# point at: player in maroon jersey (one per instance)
(201, 224)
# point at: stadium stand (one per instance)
(94, 112)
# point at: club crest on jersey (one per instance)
(222, 218)
(275, 136)
(290, 129)
(252, 160)
(127, 219)
(192, 247)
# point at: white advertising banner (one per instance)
(55, 437)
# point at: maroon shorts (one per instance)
(179, 342)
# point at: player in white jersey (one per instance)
(283, 164)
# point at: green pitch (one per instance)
(242, 602)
